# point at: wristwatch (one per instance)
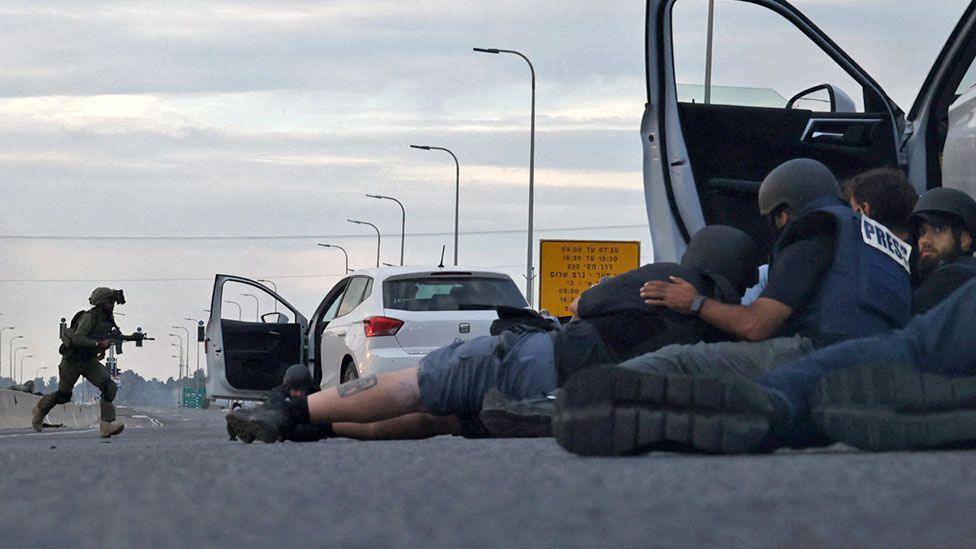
(696, 305)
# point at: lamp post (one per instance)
(1, 343)
(403, 223)
(238, 308)
(273, 285)
(187, 332)
(375, 228)
(13, 363)
(11, 343)
(528, 266)
(343, 253)
(257, 307)
(38, 371)
(180, 338)
(22, 366)
(457, 190)
(199, 324)
(179, 399)
(708, 51)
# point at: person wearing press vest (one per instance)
(834, 275)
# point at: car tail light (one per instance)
(381, 326)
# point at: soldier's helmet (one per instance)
(297, 377)
(945, 205)
(105, 295)
(796, 183)
(725, 254)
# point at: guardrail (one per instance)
(16, 409)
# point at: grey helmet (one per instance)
(297, 377)
(796, 183)
(942, 204)
(726, 255)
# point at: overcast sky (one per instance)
(264, 118)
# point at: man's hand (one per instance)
(574, 306)
(104, 344)
(676, 294)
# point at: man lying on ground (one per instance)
(834, 275)
(445, 393)
(296, 383)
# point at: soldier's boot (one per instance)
(504, 417)
(237, 425)
(110, 428)
(885, 407)
(610, 410)
(37, 420)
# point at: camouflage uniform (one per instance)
(81, 355)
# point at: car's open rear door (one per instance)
(710, 140)
(248, 357)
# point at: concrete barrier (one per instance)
(16, 409)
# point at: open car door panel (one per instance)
(245, 359)
(704, 160)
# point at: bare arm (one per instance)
(753, 322)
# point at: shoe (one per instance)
(609, 410)
(267, 425)
(37, 420)
(237, 423)
(504, 417)
(110, 428)
(885, 407)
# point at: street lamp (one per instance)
(238, 308)
(528, 266)
(343, 253)
(377, 236)
(38, 371)
(1, 342)
(457, 190)
(13, 362)
(11, 342)
(273, 285)
(403, 223)
(22, 366)
(257, 307)
(179, 377)
(187, 332)
(179, 399)
(180, 338)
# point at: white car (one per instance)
(372, 321)
(704, 159)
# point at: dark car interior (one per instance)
(257, 353)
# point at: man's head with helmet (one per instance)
(944, 222)
(794, 186)
(106, 298)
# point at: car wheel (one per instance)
(349, 373)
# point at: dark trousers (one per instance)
(69, 371)
(939, 341)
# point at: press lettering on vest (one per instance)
(880, 238)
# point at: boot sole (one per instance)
(618, 411)
(118, 430)
(885, 407)
(235, 427)
(505, 424)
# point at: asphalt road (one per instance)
(181, 483)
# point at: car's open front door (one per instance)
(773, 88)
(253, 335)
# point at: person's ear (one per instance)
(966, 241)
(865, 208)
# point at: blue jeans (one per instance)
(939, 341)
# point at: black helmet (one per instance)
(796, 183)
(724, 254)
(942, 203)
(297, 377)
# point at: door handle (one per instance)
(833, 136)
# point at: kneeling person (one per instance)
(445, 393)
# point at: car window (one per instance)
(759, 59)
(450, 293)
(358, 290)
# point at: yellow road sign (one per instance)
(568, 267)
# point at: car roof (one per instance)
(382, 273)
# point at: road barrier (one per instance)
(16, 409)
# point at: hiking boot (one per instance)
(504, 417)
(267, 424)
(110, 428)
(610, 410)
(237, 425)
(896, 407)
(37, 420)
